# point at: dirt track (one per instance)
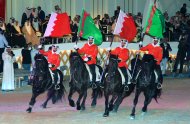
(173, 108)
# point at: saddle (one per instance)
(97, 71)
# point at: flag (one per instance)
(58, 25)
(88, 28)
(153, 21)
(125, 27)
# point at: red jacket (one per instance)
(123, 55)
(89, 51)
(156, 51)
(53, 58)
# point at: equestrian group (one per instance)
(113, 79)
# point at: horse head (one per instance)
(75, 60)
(39, 70)
(113, 65)
(148, 66)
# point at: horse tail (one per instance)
(59, 93)
(97, 93)
(157, 94)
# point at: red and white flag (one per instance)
(125, 27)
(58, 25)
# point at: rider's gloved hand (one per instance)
(50, 65)
(140, 44)
(86, 59)
(119, 60)
(108, 49)
(76, 47)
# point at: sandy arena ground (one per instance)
(173, 108)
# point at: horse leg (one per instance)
(135, 103)
(32, 102)
(49, 96)
(94, 95)
(79, 99)
(71, 102)
(84, 100)
(111, 102)
(106, 114)
(117, 103)
(147, 101)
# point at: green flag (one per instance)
(88, 28)
(155, 22)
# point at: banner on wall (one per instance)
(2, 9)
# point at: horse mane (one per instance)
(113, 56)
(41, 56)
(147, 58)
(73, 54)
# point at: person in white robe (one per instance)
(8, 70)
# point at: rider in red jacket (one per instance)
(123, 55)
(155, 50)
(90, 52)
(53, 59)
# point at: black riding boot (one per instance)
(160, 77)
(55, 76)
(92, 69)
(124, 71)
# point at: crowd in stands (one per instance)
(34, 23)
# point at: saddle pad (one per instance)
(123, 77)
(90, 74)
(52, 77)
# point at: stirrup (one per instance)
(57, 87)
(159, 86)
(101, 85)
(94, 86)
(126, 88)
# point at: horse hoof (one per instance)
(93, 105)
(143, 113)
(114, 111)
(105, 115)
(29, 110)
(83, 108)
(72, 103)
(78, 108)
(43, 106)
(132, 117)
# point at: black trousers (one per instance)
(55, 72)
(93, 71)
(1, 60)
(159, 72)
(124, 71)
(179, 60)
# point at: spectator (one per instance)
(8, 70)
(166, 49)
(33, 53)
(116, 12)
(26, 60)
(181, 54)
(3, 43)
(183, 9)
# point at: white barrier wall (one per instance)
(65, 49)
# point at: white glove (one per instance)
(108, 49)
(76, 47)
(50, 65)
(39, 46)
(141, 43)
(86, 59)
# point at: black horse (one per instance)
(80, 82)
(146, 82)
(41, 81)
(113, 86)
